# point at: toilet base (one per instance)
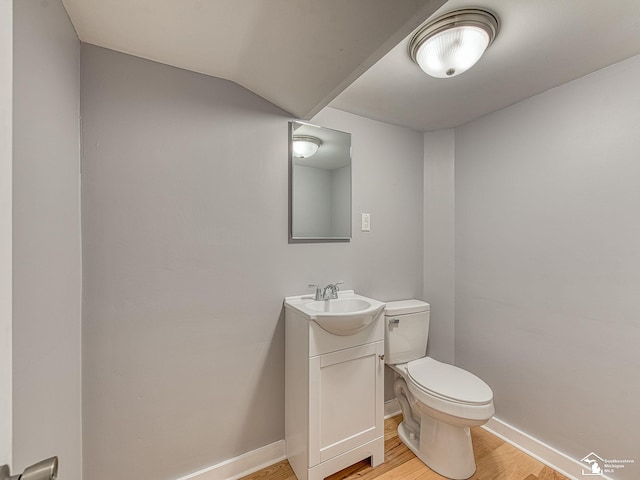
(445, 449)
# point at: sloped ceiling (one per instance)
(304, 54)
(298, 54)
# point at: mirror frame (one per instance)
(294, 239)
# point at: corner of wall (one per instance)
(439, 242)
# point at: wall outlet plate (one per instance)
(366, 222)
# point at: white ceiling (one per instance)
(298, 54)
(302, 54)
(541, 44)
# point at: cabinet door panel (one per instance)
(349, 387)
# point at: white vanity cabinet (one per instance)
(334, 396)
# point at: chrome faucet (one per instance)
(330, 292)
(332, 288)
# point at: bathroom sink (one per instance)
(348, 314)
(339, 305)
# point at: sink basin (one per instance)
(339, 305)
(346, 315)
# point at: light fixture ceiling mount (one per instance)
(452, 43)
(305, 145)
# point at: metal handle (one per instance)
(394, 321)
(381, 357)
(318, 291)
(44, 470)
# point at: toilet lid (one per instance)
(449, 382)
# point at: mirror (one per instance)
(319, 184)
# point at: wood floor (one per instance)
(495, 459)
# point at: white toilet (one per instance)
(439, 402)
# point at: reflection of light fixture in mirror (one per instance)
(304, 145)
(453, 43)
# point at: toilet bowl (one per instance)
(439, 402)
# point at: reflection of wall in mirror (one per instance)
(311, 208)
(341, 202)
(322, 202)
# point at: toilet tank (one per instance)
(406, 331)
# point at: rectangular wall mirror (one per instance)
(319, 184)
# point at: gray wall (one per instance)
(6, 101)
(386, 171)
(186, 260)
(439, 239)
(548, 263)
(47, 268)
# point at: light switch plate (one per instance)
(366, 222)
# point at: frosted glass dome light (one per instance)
(304, 146)
(454, 42)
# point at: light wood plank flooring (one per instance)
(496, 460)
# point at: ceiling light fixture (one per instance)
(304, 145)
(453, 43)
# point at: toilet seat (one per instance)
(443, 390)
(448, 382)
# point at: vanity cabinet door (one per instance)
(346, 400)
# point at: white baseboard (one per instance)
(567, 466)
(391, 408)
(242, 465)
